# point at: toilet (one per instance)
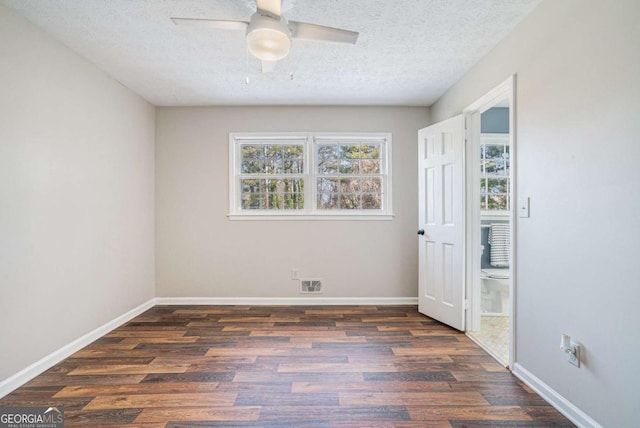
(495, 291)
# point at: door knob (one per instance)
(421, 232)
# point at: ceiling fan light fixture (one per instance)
(269, 34)
(268, 44)
(268, 37)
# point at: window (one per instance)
(310, 175)
(495, 168)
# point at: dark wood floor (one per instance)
(286, 366)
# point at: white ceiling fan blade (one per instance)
(303, 30)
(268, 66)
(273, 7)
(211, 23)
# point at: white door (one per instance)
(441, 222)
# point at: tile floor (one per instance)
(494, 334)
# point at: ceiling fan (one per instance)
(269, 33)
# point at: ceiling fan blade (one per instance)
(211, 23)
(268, 66)
(303, 30)
(273, 7)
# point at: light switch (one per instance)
(523, 208)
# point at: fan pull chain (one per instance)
(291, 63)
(246, 79)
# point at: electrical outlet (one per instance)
(294, 274)
(574, 357)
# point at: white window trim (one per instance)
(236, 213)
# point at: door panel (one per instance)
(441, 214)
(447, 194)
(430, 195)
(429, 261)
(447, 274)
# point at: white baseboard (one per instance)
(23, 376)
(563, 405)
(286, 300)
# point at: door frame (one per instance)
(505, 90)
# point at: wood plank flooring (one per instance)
(285, 366)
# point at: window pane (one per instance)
(494, 194)
(497, 185)
(350, 201)
(493, 151)
(327, 159)
(349, 151)
(273, 162)
(494, 159)
(497, 202)
(252, 186)
(328, 167)
(285, 201)
(293, 156)
(293, 151)
(349, 166)
(349, 185)
(328, 201)
(290, 185)
(371, 201)
(273, 194)
(371, 151)
(328, 152)
(252, 159)
(358, 191)
(328, 185)
(372, 185)
(349, 159)
(253, 201)
(271, 158)
(370, 166)
(293, 166)
(274, 201)
(293, 201)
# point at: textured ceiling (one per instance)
(409, 51)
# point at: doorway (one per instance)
(490, 221)
(466, 221)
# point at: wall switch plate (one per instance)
(294, 274)
(571, 349)
(523, 208)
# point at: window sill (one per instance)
(305, 216)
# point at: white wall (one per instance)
(200, 252)
(578, 99)
(76, 196)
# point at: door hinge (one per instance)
(467, 304)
